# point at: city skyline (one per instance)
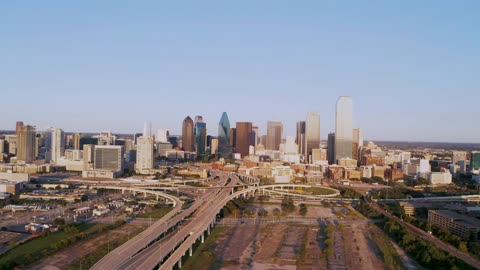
(399, 66)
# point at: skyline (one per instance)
(112, 67)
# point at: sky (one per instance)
(411, 67)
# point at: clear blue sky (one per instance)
(412, 67)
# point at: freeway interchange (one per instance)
(163, 244)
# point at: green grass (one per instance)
(156, 213)
(40, 247)
(95, 255)
(389, 254)
(319, 191)
(203, 257)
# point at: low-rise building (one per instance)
(440, 178)
(459, 225)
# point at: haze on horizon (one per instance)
(411, 67)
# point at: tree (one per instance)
(303, 209)
(463, 247)
(59, 222)
(287, 204)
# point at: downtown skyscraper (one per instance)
(274, 135)
(188, 139)
(312, 133)
(200, 133)
(344, 128)
(224, 143)
(243, 138)
(25, 143)
(54, 144)
(300, 138)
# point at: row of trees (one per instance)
(424, 253)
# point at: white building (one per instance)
(162, 136)
(366, 171)
(283, 174)
(440, 178)
(344, 128)
(144, 155)
(55, 145)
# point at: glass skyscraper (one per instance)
(344, 128)
(312, 134)
(224, 147)
(201, 138)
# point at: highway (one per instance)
(132, 252)
(430, 238)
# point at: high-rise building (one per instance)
(312, 133)
(2, 146)
(344, 128)
(475, 162)
(224, 143)
(243, 138)
(233, 136)
(357, 143)
(88, 156)
(255, 138)
(200, 138)
(25, 143)
(274, 135)
(188, 139)
(198, 119)
(147, 129)
(214, 142)
(58, 144)
(76, 141)
(458, 156)
(144, 154)
(331, 148)
(108, 158)
(162, 135)
(300, 139)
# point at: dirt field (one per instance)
(284, 246)
(61, 259)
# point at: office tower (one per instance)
(2, 146)
(25, 143)
(11, 147)
(255, 138)
(187, 135)
(214, 143)
(233, 137)
(54, 144)
(344, 128)
(76, 141)
(144, 154)
(224, 137)
(263, 140)
(458, 156)
(108, 158)
(312, 133)
(300, 138)
(243, 137)
(331, 148)
(357, 143)
(38, 145)
(274, 135)
(88, 156)
(200, 138)
(147, 129)
(290, 147)
(175, 140)
(162, 135)
(475, 162)
(198, 119)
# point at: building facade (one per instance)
(188, 139)
(243, 138)
(312, 134)
(344, 128)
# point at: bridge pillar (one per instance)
(180, 263)
(158, 197)
(191, 251)
(134, 193)
(203, 237)
(145, 194)
(123, 191)
(208, 230)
